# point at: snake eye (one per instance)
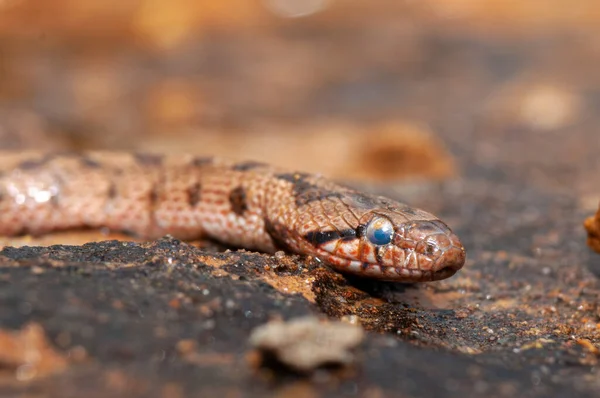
(380, 231)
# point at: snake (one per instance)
(245, 204)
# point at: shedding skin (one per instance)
(245, 204)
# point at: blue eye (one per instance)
(380, 231)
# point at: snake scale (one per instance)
(245, 204)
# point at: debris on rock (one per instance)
(304, 344)
(27, 354)
(592, 225)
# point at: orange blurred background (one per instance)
(373, 90)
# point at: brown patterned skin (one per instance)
(247, 204)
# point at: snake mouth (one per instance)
(390, 273)
(411, 266)
(444, 273)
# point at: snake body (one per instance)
(244, 204)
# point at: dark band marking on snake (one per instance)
(91, 163)
(360, 230)
(244, 204)
(201, 161)
(148, 159)
(318, 238)
(31, 164)
(193, 194)
(153, 197)
(112, 190)
(248, 165)
(304, 190)
(237, 198)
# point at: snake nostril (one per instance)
(427, 248)
(430, 248)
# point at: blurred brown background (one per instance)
(374, 90)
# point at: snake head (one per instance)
(390, 241)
